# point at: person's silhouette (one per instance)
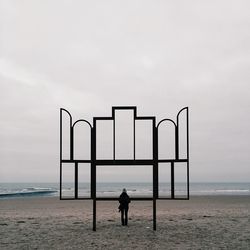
(124, 200)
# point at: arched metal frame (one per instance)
(109, 162)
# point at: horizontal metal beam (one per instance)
(145, 118)
(131, 198)
(175, 198)
(72, 198)
(172, 160)
(102, 118)
(123, 107)
(124, 162)
(76, 161)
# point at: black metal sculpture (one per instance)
(154, 161)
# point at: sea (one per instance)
(20, 190)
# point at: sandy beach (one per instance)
(212, 222)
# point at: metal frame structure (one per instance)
(125, 162)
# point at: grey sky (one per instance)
(87, 56)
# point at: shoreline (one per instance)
(31, 196)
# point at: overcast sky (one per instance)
(88, 56)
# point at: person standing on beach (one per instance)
(124, 200)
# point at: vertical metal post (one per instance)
(76, 180)
(155, 170)
(154, 214)
(172, 181)
(114, 136)
(94, 214)
(93, 171)
(60, 154)
(71, 142)
(177, 141)
(187, 155)
(134, 136)
(92, 165)
(155, 158)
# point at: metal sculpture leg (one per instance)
(154, 214)
(94, 214)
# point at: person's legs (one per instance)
(122, 216)
(126, 217)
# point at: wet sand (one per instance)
(212, 222)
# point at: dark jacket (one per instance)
(124, 200)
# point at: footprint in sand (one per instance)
(3, 224)
(20, 221)
(78, 222)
